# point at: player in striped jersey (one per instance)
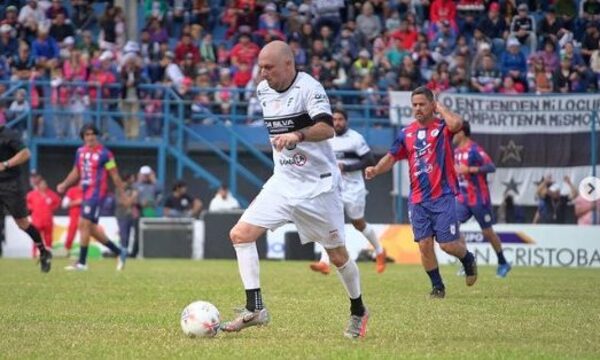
(427, 145)
(353, 155)
(93, 164)
(472, 167)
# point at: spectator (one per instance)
(441, 10)
(368, 24)
(445, 41)
(184, 47)
(153, 114)
(55, 9)
(83, 14)
(61, 29)
(19, 106)
(539, 79)
(509, 212)
(549, 56)
(590, 40)
(325, 12)
(523, 29)
(8, 43)
(406, 35)
(509, 87)
(43, 202)
(172, 71)
(554, 199)
(31, 17)
(493, 26)
(223, 201)
(131, 79)
(208, 50)
(565, 77)
(244, 51)
(45, 51)
(149, 192)
(88, 45)
(584, 211)
(513, 62)
(551, 27)
(22, 64)
(486, 79)
(269, 23)
(293, 21)
(181, 204)
(126, 211)
(225, 92)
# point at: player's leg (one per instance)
(13, 199)
(321, 219)
(125, 225)
(367, 230)
(423, 233)
(48, 235)
(447, 234)
(267, 211)
(97, 233)
(463, 213)
(485, 218)
(90, 211)
(322, 265)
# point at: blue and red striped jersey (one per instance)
(93, 165)
(474, 188)
(428, 150)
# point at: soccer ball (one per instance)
(200, 319)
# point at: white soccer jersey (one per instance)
(309, 169)
(348, 148)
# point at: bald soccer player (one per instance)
(304, 188)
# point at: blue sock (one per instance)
(436, 278)
(501, 259)
(467, 259)
(83, 254)
(114, 248)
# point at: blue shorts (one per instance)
(435, 218)
(90, 209)
(482, 213)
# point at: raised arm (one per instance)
(453, 120)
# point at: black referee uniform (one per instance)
(13, 153)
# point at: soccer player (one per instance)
(93, 162)
(427, 145)
(353, 155)
(42, 203)
(304, 187)
(472, 165)
(13, 154)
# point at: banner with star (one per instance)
(527, 137)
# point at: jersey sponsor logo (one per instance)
(453, 229)
(298, 160)
(428, 168)
(320, 98)
(289, 101)
(421, 134)
(423, 151)
(487, 218)
(288, 124)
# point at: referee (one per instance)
(13, 154)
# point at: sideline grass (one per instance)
(534, 313)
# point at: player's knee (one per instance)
(338, 258)
(237, 236)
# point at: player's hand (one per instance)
(61, 188)
(370, 172)
(462, 169)
(287, 141)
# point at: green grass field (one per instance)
(534, 313)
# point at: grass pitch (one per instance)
(534, 313)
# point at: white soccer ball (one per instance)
(200, 319)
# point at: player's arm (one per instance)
(116, 178)
(543, 187)
(321, 130)
(487, 165)
(19, 158)
(572, 187)
(71, 178)
(384, 165)
(453, 120)
(364, 161)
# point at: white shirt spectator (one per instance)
(220, 203)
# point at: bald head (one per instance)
(277, 65)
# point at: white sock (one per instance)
(350, 277)
(247, 258)
(324, 256)
(370, 234)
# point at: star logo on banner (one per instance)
(512, 185)
(511, 151)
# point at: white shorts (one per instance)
(319, 219)
(354, 203)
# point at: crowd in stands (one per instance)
(509, 46)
